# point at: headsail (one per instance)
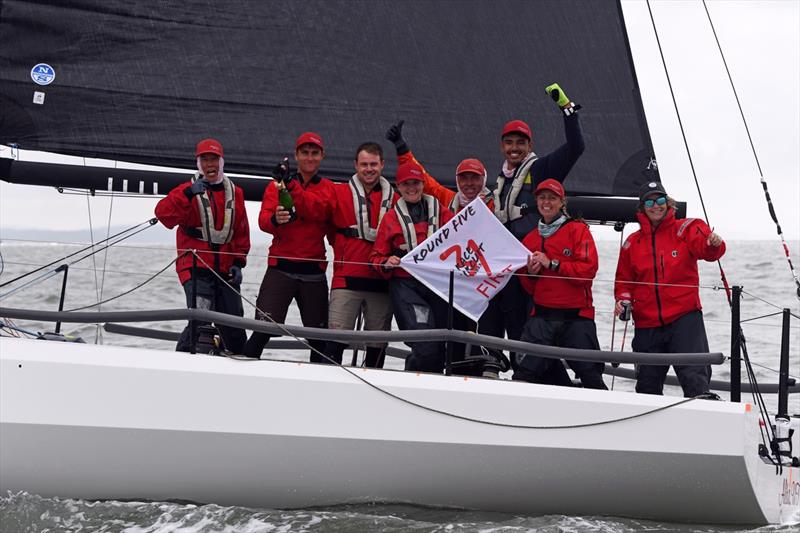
(142, 83)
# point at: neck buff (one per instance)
(508, 171)
(462, 199)
(545, 230)
(220, 174)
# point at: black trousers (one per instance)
(416, 307)
(214, 295)
(274, 297)
(685, 335)
(576, 332)
(507, 313)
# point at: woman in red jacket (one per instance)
(414, 218)
(563, 263)
(657, 274)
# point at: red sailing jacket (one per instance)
(433, 187)
(663, 265)
(390, 238)
(351, 254)
(301, 238)
(569, 287)
(176, 209)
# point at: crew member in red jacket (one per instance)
(415, 217)
(211, 218)
(470, 184)
(657, 275)
(356, 287)
(296, 264)
(563, 265)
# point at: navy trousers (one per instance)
(507, 313)
(416, 307)
(685, 335)
(577, 332)
(214, 295)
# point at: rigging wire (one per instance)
(120, 295)
(91, 239)
(99, 332)
(750, 373)
(43, 277)
(94, 259)
(770, 206)
(686, 145)
(149, 223)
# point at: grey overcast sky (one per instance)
(761, 42)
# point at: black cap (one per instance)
(649, 188)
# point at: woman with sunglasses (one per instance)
(657, 276)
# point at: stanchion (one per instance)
(192, 324)
(448, 359)
(783, 376)
(65, 269)
(736, 345)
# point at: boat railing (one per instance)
(422, 335)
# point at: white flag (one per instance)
(482, 253)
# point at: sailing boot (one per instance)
(333, 350)
(375, 357)
(255, 345)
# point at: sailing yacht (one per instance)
(143, 83)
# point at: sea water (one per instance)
(760, 267)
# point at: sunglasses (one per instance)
(650, 202)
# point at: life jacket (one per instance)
(207, 229)
(407, 224)
(506, 211)
(362, 228)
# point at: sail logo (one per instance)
(470, 261)
(43, 74)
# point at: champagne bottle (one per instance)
(281, 173)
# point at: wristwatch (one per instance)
(554, 264)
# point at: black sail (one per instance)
(144, 81)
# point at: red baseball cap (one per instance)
(552, 186)
(517, 126)
(409, 171)
(208, 146)
(309, 137)
(471, 165)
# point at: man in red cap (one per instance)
(515, 202)
(415, 217)
(211, 218)
(296, 264)
(356, 287)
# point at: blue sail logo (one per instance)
(43, 74)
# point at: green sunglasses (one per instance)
(650, 202)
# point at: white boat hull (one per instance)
(103, 422)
